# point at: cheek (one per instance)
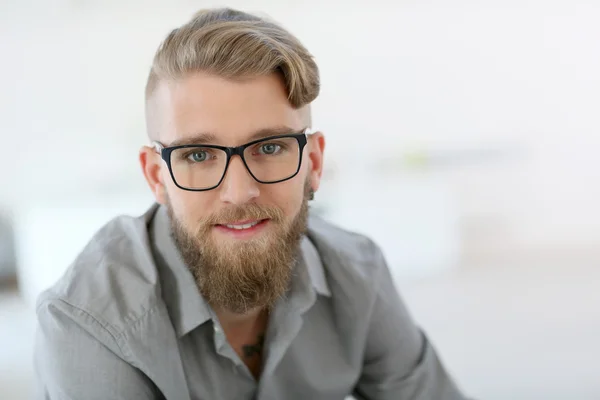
(286, 195)
(189, 206)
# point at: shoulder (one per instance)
(113, 281)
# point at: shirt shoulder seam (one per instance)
(104, 325)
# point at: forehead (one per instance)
(229, 110)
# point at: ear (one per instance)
(152, 167)
(316, 148)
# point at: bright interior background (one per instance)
(463, 136)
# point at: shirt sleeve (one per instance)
(74, 359)
(399, 361)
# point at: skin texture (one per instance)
(208, 109)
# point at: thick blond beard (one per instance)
(244, 276)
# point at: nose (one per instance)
(238, 186)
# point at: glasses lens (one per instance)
(198, 167)
(272, 160)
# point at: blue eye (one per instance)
(198, 156)
(269, 148)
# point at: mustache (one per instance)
(244, 213)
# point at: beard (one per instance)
(240, 276)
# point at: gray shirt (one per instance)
(126, 321)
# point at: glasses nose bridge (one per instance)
(240, 152)
(237, 150)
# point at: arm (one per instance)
(76, 358)
(399, 361)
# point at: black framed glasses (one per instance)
(201, 167)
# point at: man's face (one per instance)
(241, 238)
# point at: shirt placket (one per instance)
(224, 349)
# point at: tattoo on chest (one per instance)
(250, 350)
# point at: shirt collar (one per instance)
(187, 308)
(312, 262)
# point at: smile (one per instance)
(243, 226)
(242, 229)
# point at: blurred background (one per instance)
(463, 136)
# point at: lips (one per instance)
(242, 225)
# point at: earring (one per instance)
(311, 194)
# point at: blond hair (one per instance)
(236, 45)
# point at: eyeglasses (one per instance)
(201, 167)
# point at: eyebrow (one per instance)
(211, 138)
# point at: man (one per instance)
(226, 288)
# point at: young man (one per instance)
(226, 288)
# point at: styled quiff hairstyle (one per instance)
(236, 45)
